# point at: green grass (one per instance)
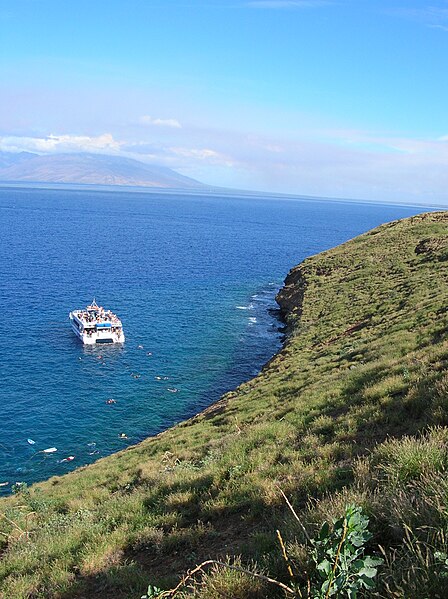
(354, 409)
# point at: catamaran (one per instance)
(94, 324)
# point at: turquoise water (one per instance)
(193, 279)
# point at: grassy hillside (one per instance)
(353, 410)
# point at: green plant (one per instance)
(442, 562)
(338, 554)
(20, 487)
(152, 592)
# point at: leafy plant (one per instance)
(20, 487)
(152, 592)
(442, 562)
(338, 554)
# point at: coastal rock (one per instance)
(290, 297)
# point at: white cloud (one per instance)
(351, 165)
(327, 162)
(442, 27)
(157, 153)
(435, 17)
(203, 154)
(149, 120)
(60, 143)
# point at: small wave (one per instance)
(251, 306)
(252, 320)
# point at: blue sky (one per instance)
(343, 98)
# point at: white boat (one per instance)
(94, 324)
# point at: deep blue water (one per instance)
(193, 279)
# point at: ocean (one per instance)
(193, 278)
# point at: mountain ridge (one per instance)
(89, 168)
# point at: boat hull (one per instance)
(95, 337)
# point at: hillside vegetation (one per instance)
(353, 411)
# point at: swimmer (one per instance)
(110, 401)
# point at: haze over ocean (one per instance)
(193, 278)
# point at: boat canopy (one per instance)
(103, 325)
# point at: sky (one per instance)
(335, 98)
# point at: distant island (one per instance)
(91, 169)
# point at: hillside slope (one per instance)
(354, 409)
(91, 169)
(11, 158)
